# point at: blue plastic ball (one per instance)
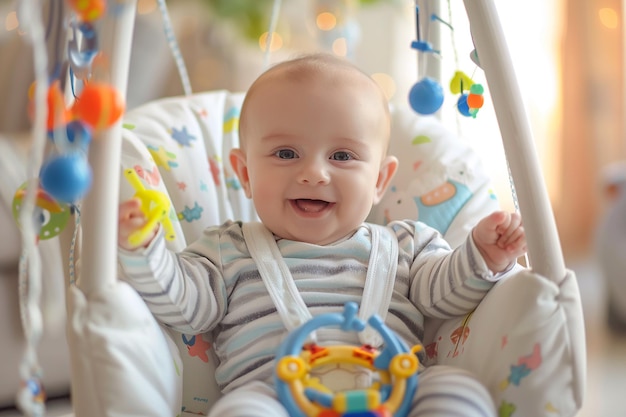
(67, 177)
(426, 96)
(462, 105)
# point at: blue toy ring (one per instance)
(304, 396)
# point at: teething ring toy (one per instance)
(156, 207)
(305, 396)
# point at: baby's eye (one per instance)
(286, 154)
(341, 156)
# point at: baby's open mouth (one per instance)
(310, 206)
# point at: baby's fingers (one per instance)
(509, 230)
(129, 209)
(514, 241)
(131, 219)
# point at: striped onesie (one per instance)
(214, 286)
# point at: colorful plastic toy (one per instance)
(66, 177)
(426, 96)
(99, 106)
(303, 395)
(50, 216)
(156, 207)
(471, 97)
(88, 10)
(58, 114)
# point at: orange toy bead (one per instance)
(58, 114)
(99, 106)
(88, 10)
(475, 101)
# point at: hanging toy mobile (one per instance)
(42, 206)
(67, 175)
(471, 94)
(304, 395)
(426, 96)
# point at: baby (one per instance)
(314, 133)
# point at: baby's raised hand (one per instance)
(500, 238)
(131, 219)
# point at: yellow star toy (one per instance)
(154, 204)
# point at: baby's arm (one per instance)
(500, 239)
(182, 290)
(131, 219)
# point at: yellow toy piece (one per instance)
(155, 205)
(460, 83)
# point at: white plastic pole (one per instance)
(544, 247)
(100, 207)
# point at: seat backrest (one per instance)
(180, 146)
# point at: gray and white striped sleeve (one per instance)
(180, 290)
(445, 282)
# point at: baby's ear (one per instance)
(388, 169)
(238, 163)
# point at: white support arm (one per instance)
(544, 247)
(100, 207)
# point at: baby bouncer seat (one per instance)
(525, 341)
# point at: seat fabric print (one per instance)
(440, 179)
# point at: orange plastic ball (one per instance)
(88, 10)
(58, 114)
(475, 101)
(99, 106)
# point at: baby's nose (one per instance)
(314, 172)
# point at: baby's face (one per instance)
(315, 155)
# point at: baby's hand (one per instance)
(500, 238)
(131, 219)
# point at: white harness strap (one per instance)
(275, 275)
(379, 281)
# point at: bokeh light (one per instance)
(326, 21)
(276, 41)
(340, 47)
(11, 22)
(608, 17)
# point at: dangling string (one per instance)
(270, 33)
(421, 60)
(515, 201)
(174, 47)
(30, 397)
(452, 37)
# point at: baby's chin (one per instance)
(315, 236)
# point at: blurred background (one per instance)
(568, 56)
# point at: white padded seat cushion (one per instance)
(525, 342)
(180, 146)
